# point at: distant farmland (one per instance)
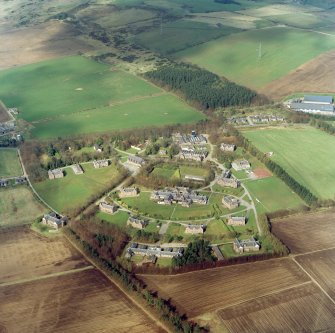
(304, 152)
(237, 56)
(76, 95)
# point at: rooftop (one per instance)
(318, 99)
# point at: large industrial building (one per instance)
(313, 104)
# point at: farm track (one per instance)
(117, 103)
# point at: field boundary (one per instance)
(46, 276)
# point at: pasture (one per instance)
(157, 110)
(201, 292)
(272, 194)
(9, 163)
(305, 309)
(25, 255)
(303, 152)
(3, 113)
(180, 35)
(76, 95)
(238, 58)
(307, 232)
(74, 191)
(19, 206)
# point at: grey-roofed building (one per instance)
(100, 164)
(195, 178)
(54, 220)
(136, 160)
(194, 229)
(236, 220)
(229, 182)
(230, 202)
(149, 250)
(128, 192)
(20, 180)
(136, 223)
(77, 169)
(55, 174)
(3, 183)
(316, 99)
(240, 165)
(247, 245)
(313, 108)
(107, 208)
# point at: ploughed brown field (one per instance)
(300, 309)
(25, 254)
(306, 233)
(200, 292)
(316, 75)
(321, 266)
(82, 302)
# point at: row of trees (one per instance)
(102, 242)
(198, 85)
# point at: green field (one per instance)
(75, 95)
(9, 163)
(154, 111)
(237, 56)
(19, 206)
(304, 152)
(175, 172)
(179, 35)
(271, 194)
(119, 218)
(74, 191)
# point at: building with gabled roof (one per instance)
(229, 182)
(54, 220)
(136, 160)
(100, 164)
(136, 222)
(227, 147)
(129, 192)
(55, 174)
(239, 165)
(230, 202)
(194, 229)
(107, 208)
(246, 245)
(77, 169)
(237, 220)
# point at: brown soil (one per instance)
(200, 292)
(321, 266)
(83, 302)
(300, 309)
(25, 255)
(262, 173)
(316, 75)
(41, 42)
(306, 233)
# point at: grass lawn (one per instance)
(304, 152)
(119, 218)
(272, 194)
(74, 191)
(193, 171)
(164, 262)
(237, 56)
(166, 172)
(179, 35)
(175, 229)
(144, 206)
(9, 163)
(228, 190)
(150, 111)
(19, 206)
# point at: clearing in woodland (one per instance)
(19, 206)
(303, 152)
(256, 57)
(305, 233)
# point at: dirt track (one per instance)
(317, 75)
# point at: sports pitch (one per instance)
(255, 58)
(304, 152)
(76, 95)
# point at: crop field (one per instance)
(271, 194)
(305, 309)
(78, 302)
(181, 34)
(73, 191)
(201, 292)
(293, 148)
(321, 266)
(307, 232)
(9, 163)
(19, 206)
(282, 50)
(76, 95)
(25, 254)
